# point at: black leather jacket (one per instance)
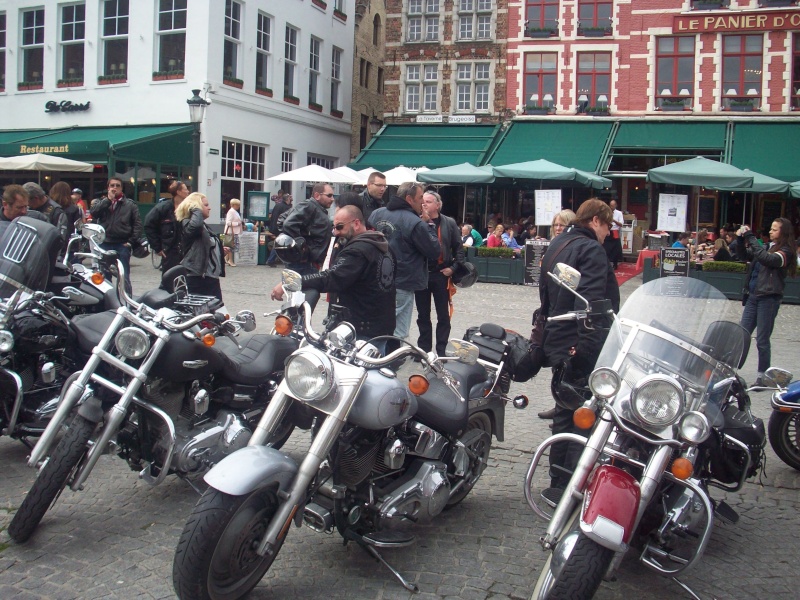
(369, 205)
(123, 225)
(198, 245)
(771, 276)
(161, 228)
(309, 220)
(450, 240)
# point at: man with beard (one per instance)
(572, 347)
(360, 278)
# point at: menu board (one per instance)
(548, 204)
(248, 249)
(672, 212)
(257, 206)
(534, 251)
(674, 262)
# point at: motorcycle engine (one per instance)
(420, 494)
(199, 447)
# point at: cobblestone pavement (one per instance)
(116, 538)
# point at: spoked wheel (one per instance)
(216, 554)
(479, 448)
(51, 479)
(784, 437)
(156, 258)
(575, 568)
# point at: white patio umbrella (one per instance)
(43, 162)
(402, 174)
(347, 171)
(313, 173)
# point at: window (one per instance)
(541, 79)
(796, 72)
(171, 35)
(472, 87)
(32, 45)
(2, 51)
(594, 80)
(742, 62)
(287, 161)
(674, 72)
(594, 15)
(325, 162)
(115, 39)
(243, 169)
(313, 71)
(362, 67)
(263, 52)
(379, 87)
(422, 88)
(233, 27)
(336, 78)
(541, 15)
(376, 30)
(474, 19)
(422, 20)
(290, 63)
(73, 32)
(338, 5)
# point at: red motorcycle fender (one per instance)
(610, 505)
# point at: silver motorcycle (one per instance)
(384, 454)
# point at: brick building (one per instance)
(369, 72)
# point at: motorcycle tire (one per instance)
(784, 437)
(582, 573)
(216, 557)
(480, 448)
(51, 479)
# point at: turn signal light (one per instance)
(98, 278)
(584, 418)
(209, 339)
(418, 385)
(682, 468)
(283, 325)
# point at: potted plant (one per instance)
(264, 91)
(594, 31)
(233, 82)
(539, 32)
(741, 105)
(166, 75)
(291, 99)
(537, 109)
(339, 14)
(596, 111)
(672, 104)
(498, 265)
(70, 82)
(29, 85)
(315, 106)
(111, 79)
(727, 277)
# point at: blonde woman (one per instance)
(561, 221)
(233, 226)
(203, 254)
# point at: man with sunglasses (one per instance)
(361, 276)
(309, 220)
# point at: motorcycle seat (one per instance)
(260, 355)
(439, 408)
(156, 298)
(91, 328)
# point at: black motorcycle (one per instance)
(169, 390)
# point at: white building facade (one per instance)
(278, 75)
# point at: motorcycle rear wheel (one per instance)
(215, 558)
(480, 448)
(582, 573)
(51, 479)
(784, 437)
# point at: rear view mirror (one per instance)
(781, 377)
(464, 351)
(93, 231)
(246, 319)
(568, 276)
(291, 280)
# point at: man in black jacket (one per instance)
(163, 232)
(309, 220)
(120, 218)
(55, 215)
(413, 242)
(372, 197)
(571, 347)
(439, 273)
(361, 276)
(283, 202)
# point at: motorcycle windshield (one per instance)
(706, 341)
(28, 251)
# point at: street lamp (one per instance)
(197, 109)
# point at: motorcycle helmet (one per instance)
(289, 249)
(465, 275)
(568, 391)
(140, 248)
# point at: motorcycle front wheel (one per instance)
(585, 563)
(216, 555)
(784, 437)
(51, 479)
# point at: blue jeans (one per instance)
(403, 309)
(759, 313)
(124, 253)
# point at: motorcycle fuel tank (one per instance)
(180, 351)
(382, 402)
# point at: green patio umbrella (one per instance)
(762, 184)
(463, 173)
(545, 170)
(794, 189)
(701, 172)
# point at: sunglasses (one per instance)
(340, 226)
(327, 195)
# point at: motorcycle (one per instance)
(383, 455)
(167, 391)
(669, 418)
(784, 423)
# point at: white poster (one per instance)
(626, 238)
(672, 212)
(548, 204)
(248, 249)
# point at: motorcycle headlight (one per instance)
(604, 382)
(132, 343)
(694, 427)
(309, 375)
(657, 400)
(6, 341)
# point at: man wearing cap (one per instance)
(77, 198)
(55, 215)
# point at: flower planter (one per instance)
(337, 113)
(320, 4)
(292, 100)
(597, 113)
(236, 83)
(25, 87)
(167, 76)
(680, 107)
(339, 15)
(776, 3)
(741, 107)
(537, 111)
(592, 32)
(264, 92)
(69, 84)
(499, 270)
(539, 34)
(315, 106)
(111, 81)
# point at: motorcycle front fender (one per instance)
(611, 503)
(249, 468)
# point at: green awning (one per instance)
(670, 135)
(170, 144)
(701, 171)
(571, 144)
(431, 146)
(769, 148)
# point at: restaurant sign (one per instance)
(674, 261)
(65, 106)
(36, 149)
(749, 21)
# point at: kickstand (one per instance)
(688, 589)
(411, 587)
